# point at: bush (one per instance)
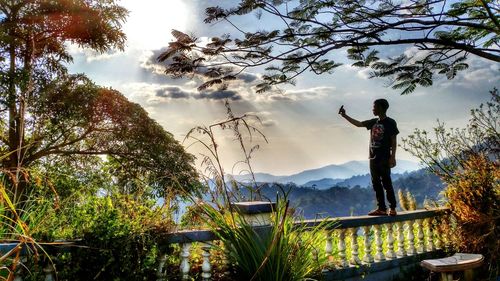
(474, 200)
(118, 239)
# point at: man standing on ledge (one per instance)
(383, 131)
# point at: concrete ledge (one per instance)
(349, 222)
(204, 235)
(26, 248)
(254, 207)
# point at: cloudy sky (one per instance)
(302, 126)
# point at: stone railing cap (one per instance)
(254, 207)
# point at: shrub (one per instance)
(474, 200)
(118, 239)
(284, 251)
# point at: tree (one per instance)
(444, 34)
(49, 115)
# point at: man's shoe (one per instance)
(378, 212)
(392, 212)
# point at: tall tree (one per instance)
(307, 33)
(48, 113)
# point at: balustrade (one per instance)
(387, 241)
(391, 238)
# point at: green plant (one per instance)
(119, 238)
(18, 222)
(283, 251)
(407, 201)
(467, 161)
(474, 200)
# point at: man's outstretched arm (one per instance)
(350, 119)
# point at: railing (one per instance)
(407, 236)
(25, 249)
(385, 242)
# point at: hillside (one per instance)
(345, 201)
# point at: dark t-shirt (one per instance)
(381, 132)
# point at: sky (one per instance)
(302, 127)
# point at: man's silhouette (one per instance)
(383, 145)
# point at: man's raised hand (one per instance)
(342, 110)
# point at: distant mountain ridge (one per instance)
(333, 172)
(358, 180)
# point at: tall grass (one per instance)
(283, 250)
(18, 219)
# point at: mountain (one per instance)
(322, 183)
(342, 171)
(358, 180)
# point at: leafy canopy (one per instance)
(308, 32)
(50, 117)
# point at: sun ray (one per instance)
(150, 22)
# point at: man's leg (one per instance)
(385, 174)
(377, 184)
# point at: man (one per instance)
(383, 131)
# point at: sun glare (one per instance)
(150, 22)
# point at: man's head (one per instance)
(380, 106)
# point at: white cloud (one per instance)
(292, 95)
(91, 55)
(361, 72)
(483, 74)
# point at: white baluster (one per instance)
(439, 234)
(401, 240)
(367, 258)
(430, 235)
(329, 249)
(420, 237)
(390, 243)
(411, 239)
(19, 269)
(49, 272)
(342, 247)
(161, 274)
(185, 260)
(354, 246)
(315, 256)
(205, 266)
(379, 255)
(446, 233)
(227, 261)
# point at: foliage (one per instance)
(407, 201)
(282, 251)
(51, 117)
(119, 238)
(307, 33)
(17, 226)
(474, 200)
(467, 161)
